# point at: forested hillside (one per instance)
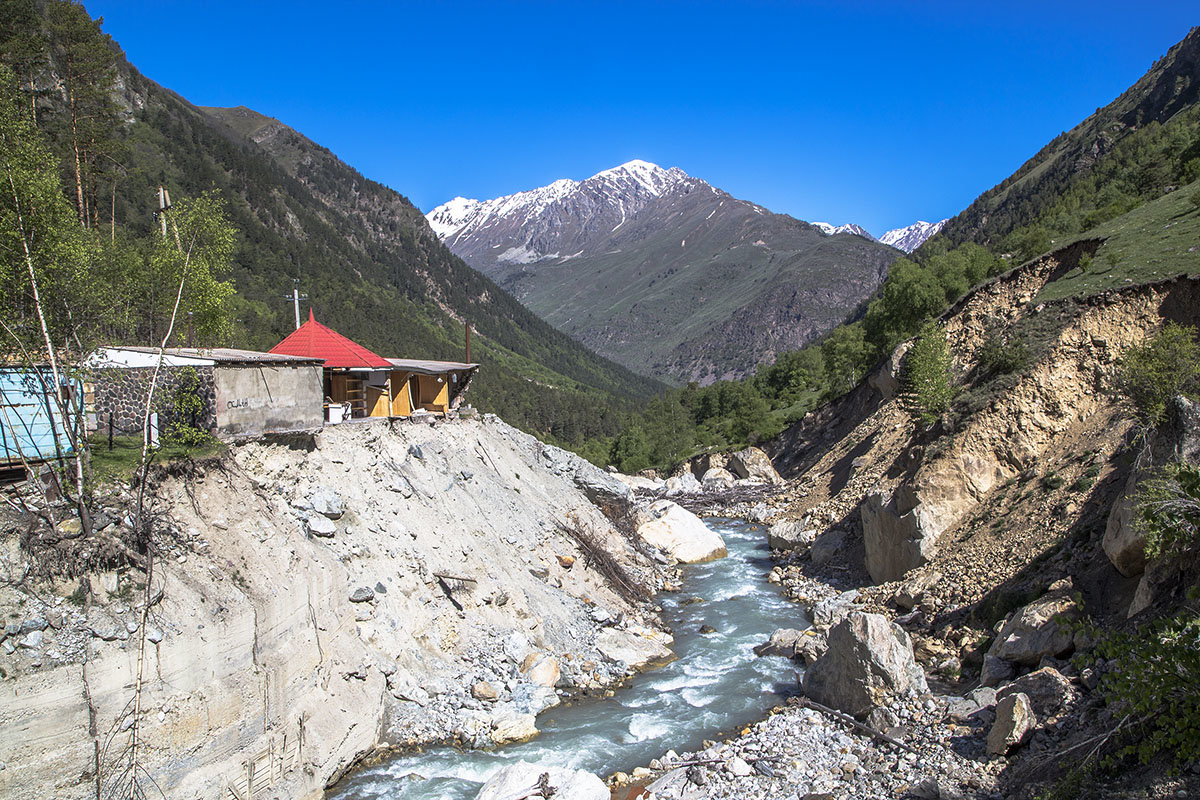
(363, 254)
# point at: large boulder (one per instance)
(1042, 628)
(827, 546)
(717, 478)
(1124, 542)
(513, 726)
(895, 535)
(783, 642)
(685, 483)
(1014, 722)
(522, 780)
(1179, 440)
(600, 487)
(635, 652)
(1048, 690)
(869, 662)
(679, 532)
(753, 464)
(832, 610)
(790, 534)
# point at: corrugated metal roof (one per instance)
(430, 367)
(314, 340)
(225, 355)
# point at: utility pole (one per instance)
(164, 205)
(468, 343)
(296, 297)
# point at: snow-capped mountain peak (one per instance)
(849, 227)
(651, 177)
(622, 190)
(911, 237)
(451, 215)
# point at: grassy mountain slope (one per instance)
(366, 258)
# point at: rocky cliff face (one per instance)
(663, 272)
(314, 600)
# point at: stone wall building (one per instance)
(240, 392)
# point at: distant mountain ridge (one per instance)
(849, 227)
(663, 272)
(913, 236)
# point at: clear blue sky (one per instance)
(876, 113)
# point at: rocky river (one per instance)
(715, 685)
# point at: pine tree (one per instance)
(927, 384)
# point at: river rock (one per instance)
(520, 780)
(318, 525)
(1048, 690)
(685, 483)
(512, 726)
(737, 766)
(754, 464)
(717, 478)
(1042, 628)
(1014, 722)
(327, 502)
(783, 642)
(869, 663)
(679, 532)
(827, 546)
(832, 610)
(790, 534)
(483, 690)
(636, 652)
(540, 669)
(910, 593)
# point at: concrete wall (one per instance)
(267, 399)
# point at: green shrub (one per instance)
(185, 410)
(1168, 510)
(1148, 376)
(927, 386)
(1000, 354)
(1083, 483)
(1155, 685)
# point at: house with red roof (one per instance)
(360, 383)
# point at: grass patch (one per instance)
(1053, 481)
(1154, 241)
(118, 464)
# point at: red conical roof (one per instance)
(314, 340)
